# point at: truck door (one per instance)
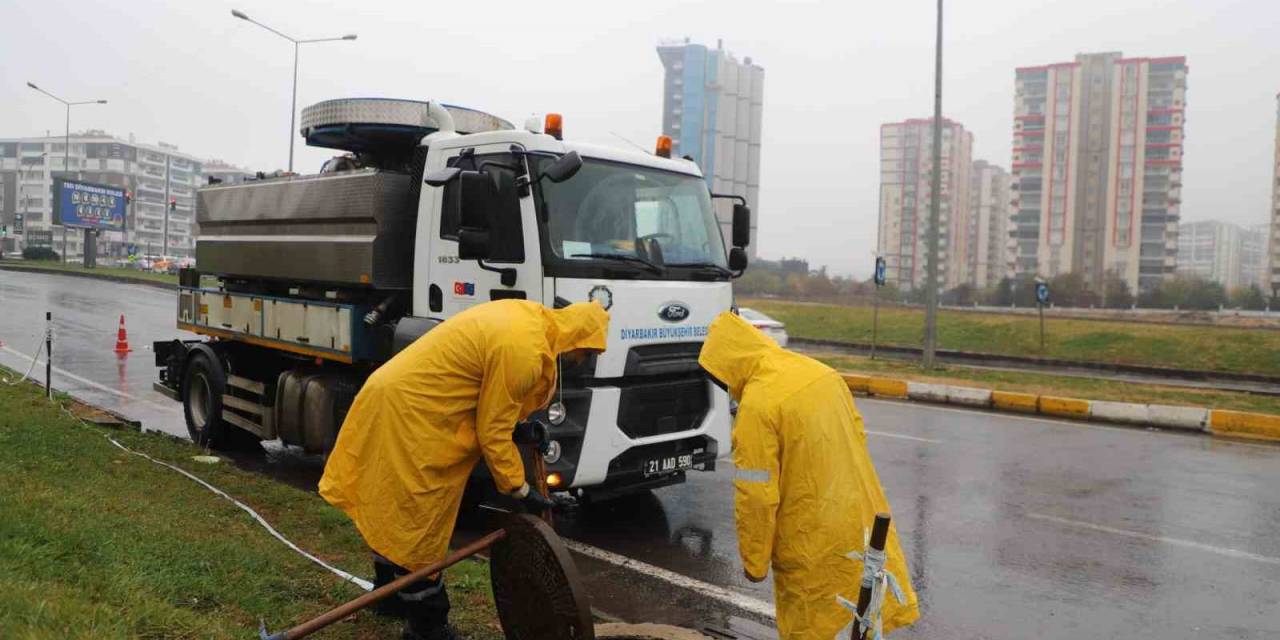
(459, 284)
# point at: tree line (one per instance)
(792, 278)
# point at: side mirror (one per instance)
(741, 225)
(565, 167)
(738, 259)
(441, 177)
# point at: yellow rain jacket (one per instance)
(423, 420)
(805, 490)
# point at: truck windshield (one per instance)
(611, 216)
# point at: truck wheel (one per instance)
(203, 384)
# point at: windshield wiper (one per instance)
(702, 265)
(622, 257)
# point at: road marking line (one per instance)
(67, 374)
(904, 437)
(739, 600)
(1190, 544)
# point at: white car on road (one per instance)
(770, 327)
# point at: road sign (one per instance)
(882, 269)
(88, 206)
(1042, 292)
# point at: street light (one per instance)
(293, 109)
(66, 158)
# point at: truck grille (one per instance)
(657, 409)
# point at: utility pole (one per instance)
(935, 216)
(293, 110)
(66, 162)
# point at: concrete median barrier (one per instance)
(969, 396)
(857, 383)
(1122, 412)
(926, 392)
(887, 387)
(1243, 424)
(1014, 401)
(1171, 417)
(1064, 407)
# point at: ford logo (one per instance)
(673, 312)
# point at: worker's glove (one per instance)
(532, 500)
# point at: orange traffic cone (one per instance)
(122, 338)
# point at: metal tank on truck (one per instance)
(432, 209)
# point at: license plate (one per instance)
(669, 464)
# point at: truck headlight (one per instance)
(552, 455)
(556, 412)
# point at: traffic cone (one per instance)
(122, 338)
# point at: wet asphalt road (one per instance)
(1014, 527)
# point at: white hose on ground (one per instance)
(359, 582)
(34, 360)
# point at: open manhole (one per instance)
(618, 631)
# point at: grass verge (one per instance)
(1048, 384)
(98, 543)
(1187, 347)
(101, 272)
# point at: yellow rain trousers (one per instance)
(423, 420)
(805, 490)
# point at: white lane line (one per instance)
(739, 600)
(1176, 542)
(85, 381)
(904, 437)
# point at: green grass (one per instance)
(1048, 384)
(1181, 346)
(78, 267)
(98, 543)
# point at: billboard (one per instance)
(87, 205)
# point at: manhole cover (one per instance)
(535, 585)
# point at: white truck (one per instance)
(434, 209)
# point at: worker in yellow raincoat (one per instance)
(423, 420)
(805, 489)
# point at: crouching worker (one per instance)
(423, 420)
(805, 490)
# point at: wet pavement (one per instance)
(1015, 527)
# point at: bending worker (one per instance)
(423, 420)
(805, 489)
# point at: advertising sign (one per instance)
(88, 206)
(881, 271)
(1042, 293)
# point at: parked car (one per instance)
(770, 327)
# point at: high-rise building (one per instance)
(712, 109)
(1273, 234)
(155, 174)
(987, 231)
(1097, 165)
(1211, 250)
(1253, 256)
(905, 166)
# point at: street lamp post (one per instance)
(931, 279)
(66, 164)
(293, 109)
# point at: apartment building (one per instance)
(1097, 168)
(712, 108)
(1273, 233)
(155, 174)
(987, 230)
(905, 187)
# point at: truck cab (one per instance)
(490, 213)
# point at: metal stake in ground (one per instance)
(879, 532)
(48, 354)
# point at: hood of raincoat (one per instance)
(733, 350)
(582, 325)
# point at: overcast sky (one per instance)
(190, 74)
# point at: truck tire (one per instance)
(203, 383)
